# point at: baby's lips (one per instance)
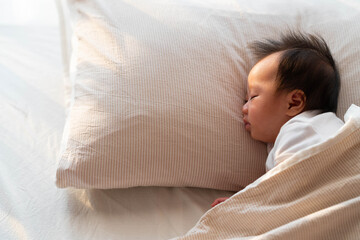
(246, 124)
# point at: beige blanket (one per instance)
(313, 195)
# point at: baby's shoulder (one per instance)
(303, 131)
(313, 122)
(307, 129)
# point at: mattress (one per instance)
(31, 125)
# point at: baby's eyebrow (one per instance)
(253, 87)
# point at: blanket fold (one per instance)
(315, 194)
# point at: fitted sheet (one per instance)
(31, 125)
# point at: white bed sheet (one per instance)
(31, 124)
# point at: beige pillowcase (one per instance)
(158, 87)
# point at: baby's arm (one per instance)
(219, 200)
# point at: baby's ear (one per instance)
(296, 102)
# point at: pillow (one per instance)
(158, 87)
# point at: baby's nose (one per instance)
(245, 108)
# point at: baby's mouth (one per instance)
(247, 125)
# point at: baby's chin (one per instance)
(258, 137)
(264, 140)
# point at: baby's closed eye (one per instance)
(252, 97)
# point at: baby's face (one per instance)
(265, 110)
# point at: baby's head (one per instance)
(294, 74)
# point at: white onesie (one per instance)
(300, 132)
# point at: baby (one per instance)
(292, 96)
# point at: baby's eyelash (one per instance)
(252, 97)
(249, 98)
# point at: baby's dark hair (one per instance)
(305, 63)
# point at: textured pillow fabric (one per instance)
(158, 87)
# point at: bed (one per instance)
(117, 124)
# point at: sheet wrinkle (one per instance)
(325, 193)
(5, 214)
